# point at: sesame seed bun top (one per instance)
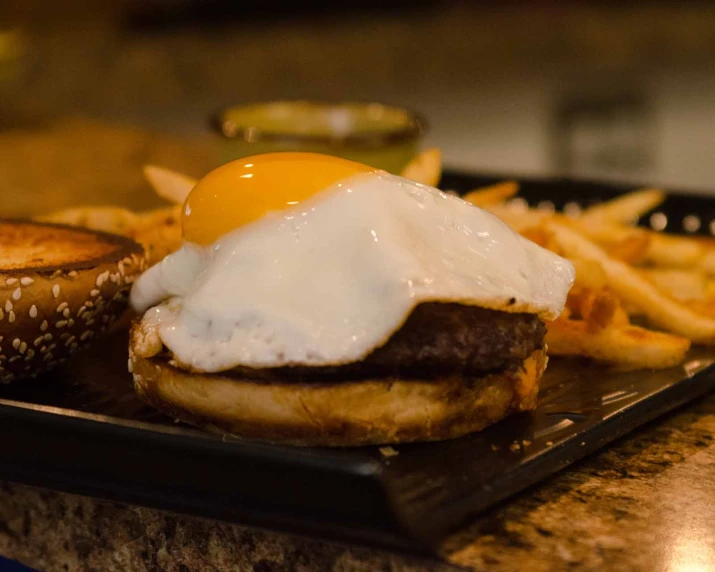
(59, 288)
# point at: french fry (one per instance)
(680, 284)
(625, 209)
(628, 346)
(519, 220)
(664, 250)
(492, 195)
(168, 184)
(661, 310)
(632, 250)
(672, 251)
(116, 220)
(589, 274)
(425, 168)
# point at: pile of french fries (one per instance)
(624, 274)
(639, 300)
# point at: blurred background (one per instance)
(91, 90)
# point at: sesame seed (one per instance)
(72, 274)
(33, 311)
(43, 349)
(66, 313)
(38, 340)
(47, 337)
(120, 267)
(86, 334)
(114, 278)
(56, 290)
(17, 294)
(94, 292)
(102, 278)
(70, 341)
(81, 311)
(61, 307)
(74, 346)
(26, 281)
(51, 347)
(14, 359)
(61, 323)
(47, 356)
(23, 347)
(89, 322)
(89, 304)
(130, 365)
(65, 335)
(11, 317)
(43, 325)
(70, 323)
(8, 305)
(16, 343)
(11, 281)
(28, 356)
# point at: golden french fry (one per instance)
(625, 209)
(168, 184)
(703, 307)
(610, 233)
(589, 274)
(598, 308)
(159, 232)
(628, 346)
(661, 310)
(664, 250)
(682, 252)
(680, 284)
(632, 250)
(425, 168)
(116, 220)
(492, 195)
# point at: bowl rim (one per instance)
(415, 127)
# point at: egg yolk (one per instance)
(243, 191)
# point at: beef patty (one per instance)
(437, 339)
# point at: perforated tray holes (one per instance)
(658, 220)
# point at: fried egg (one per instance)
(296, 258)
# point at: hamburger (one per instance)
(320, 302)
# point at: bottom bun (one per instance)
(340, 414)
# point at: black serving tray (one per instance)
(81, 429)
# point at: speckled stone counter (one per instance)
(645, 503)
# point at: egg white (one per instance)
(330, 279)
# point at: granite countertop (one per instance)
(643, 503)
